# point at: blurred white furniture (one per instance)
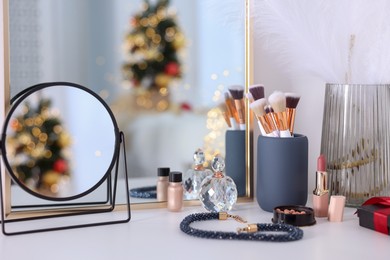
(165, 139)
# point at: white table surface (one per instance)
(155, 234)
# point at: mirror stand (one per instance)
(35, 213)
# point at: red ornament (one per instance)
(172, 69)
(134, 22)
(135, 82)
(60, 166)
(185, 106)
(15, 124)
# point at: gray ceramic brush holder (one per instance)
(235, 159)
(282, 171)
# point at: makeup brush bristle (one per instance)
(257, 91)
(257, 106)
(278, 101)
(268, 109)
(292, 100)
(236, 91)
(227, 96)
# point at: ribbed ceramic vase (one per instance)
(356, 140)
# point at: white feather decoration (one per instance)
(339, 41)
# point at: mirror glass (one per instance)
(162, 67)
(60, 141)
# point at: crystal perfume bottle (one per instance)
(218, 192)
(193, 177)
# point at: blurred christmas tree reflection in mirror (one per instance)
(54, 147)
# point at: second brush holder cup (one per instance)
(235, 159)
(282, 171)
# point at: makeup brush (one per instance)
(257, 107)
(257, 91)
(269, 117)
(278, 102)
(237, 93)
(292, 101)
(231, 111)
(225, 115)
(227, 119)
(249, 97)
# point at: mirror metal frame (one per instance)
(5, 96)
(30, 212)
(249, 115)
(19, 98)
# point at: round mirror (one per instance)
(60, 141)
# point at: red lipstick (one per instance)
(321, 191)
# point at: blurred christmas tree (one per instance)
(152, 47)
(37, 144)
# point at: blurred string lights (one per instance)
(214, 141)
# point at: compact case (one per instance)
(375, 214)
(306, 219)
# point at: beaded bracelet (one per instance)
(149, 192)
(255, 232)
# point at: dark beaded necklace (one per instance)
(255, 232)
(144, 192)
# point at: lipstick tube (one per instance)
(321, 191)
